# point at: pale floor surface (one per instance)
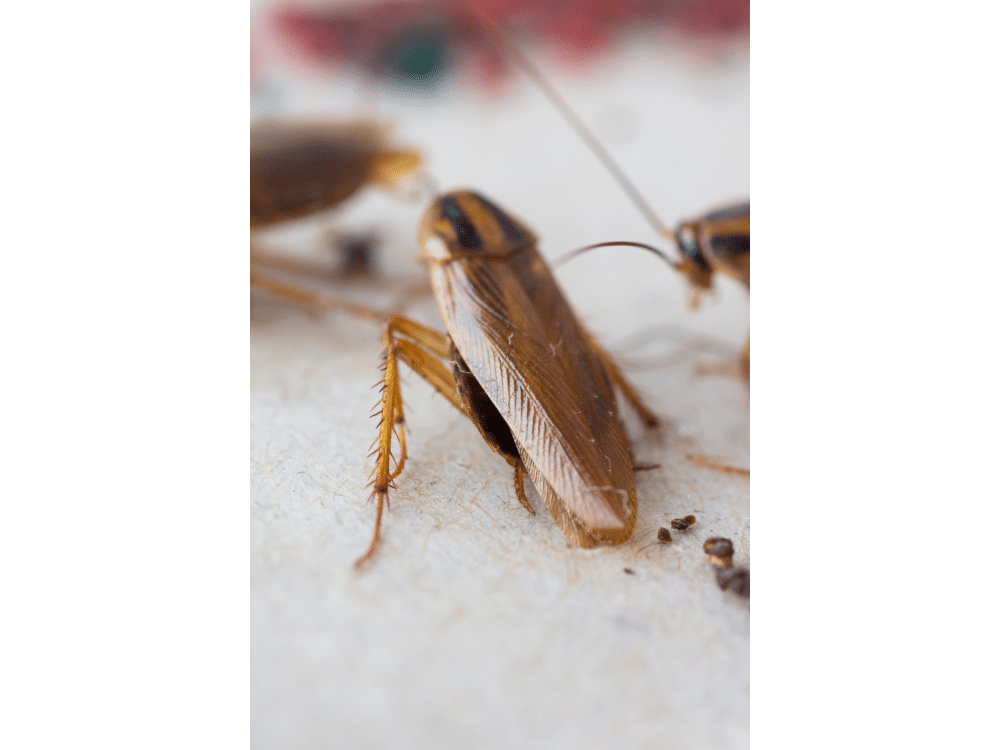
(477, 625)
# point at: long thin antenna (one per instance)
(575, 122)
(658, 253)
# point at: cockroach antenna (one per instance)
(526, 66)
(615, 243)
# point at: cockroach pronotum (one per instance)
(519, 364)
(299, 169)
(716, 242)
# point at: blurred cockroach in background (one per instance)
(517, 362)
(302, 168)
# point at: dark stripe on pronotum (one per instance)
(511, 232)
(465, 232)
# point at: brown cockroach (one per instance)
(301, 168)
(716, 242)
(519, 364)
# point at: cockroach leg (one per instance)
(431, 370)
(737, 369)
(419, 354)
(316, 299)
(710, 464)
(631, 395)
(519, 487)
(398, 420)
(261, 258)
(426, 337)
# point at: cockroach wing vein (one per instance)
(548, 384)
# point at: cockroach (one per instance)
(682, 524)
(716, 242)
(663, 535)
(517, 362)
(299, 169)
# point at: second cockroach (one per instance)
(517, 362)
(301, 168)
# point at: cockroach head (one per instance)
(694, 265)
(463, 223)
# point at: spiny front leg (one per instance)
(392, 413)
(420, 355)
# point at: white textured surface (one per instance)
(476, 625)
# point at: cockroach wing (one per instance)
(520, 338)
(299, 168)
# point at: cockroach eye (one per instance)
(511, 231)
(688, 242)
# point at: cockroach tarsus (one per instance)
(300, 169)
(549, 410)
(710, 464)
